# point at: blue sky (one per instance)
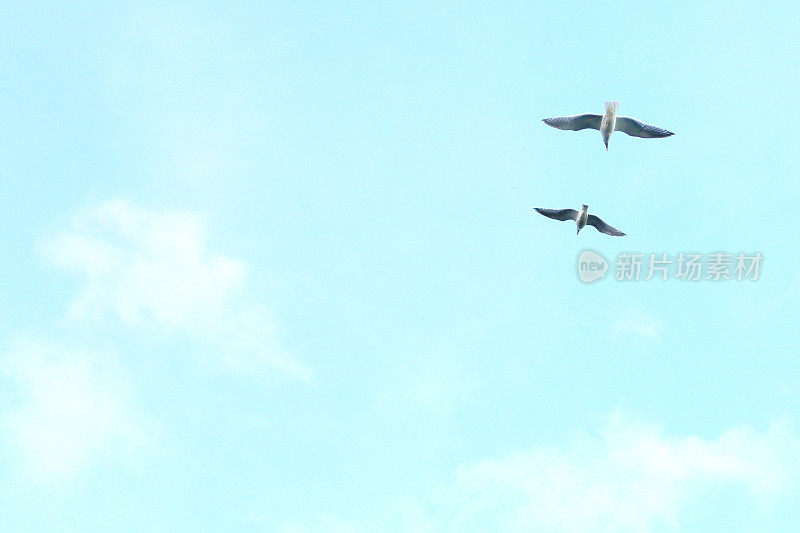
(274, 268)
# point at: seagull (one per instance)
(607, 124)
(582, 218)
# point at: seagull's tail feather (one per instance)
(611, 106)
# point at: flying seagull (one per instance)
(607, 124)
(582, 218)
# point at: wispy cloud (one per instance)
(629, 477)
(329, 523)
(145, 267)
(74, 407)
(637, 323)
(430, 384)
(152, 269)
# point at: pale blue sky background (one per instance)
(369, 328)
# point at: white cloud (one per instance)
(328, 523)
(145, 266)
(631, 477)
(638, 323)
(628, 477)
(152, 269)
(74, 408)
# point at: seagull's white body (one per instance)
(608, 123)
(583, 216)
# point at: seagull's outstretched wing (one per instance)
(578, 122)
(635, 128)
(558, 214)
(602, 227)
